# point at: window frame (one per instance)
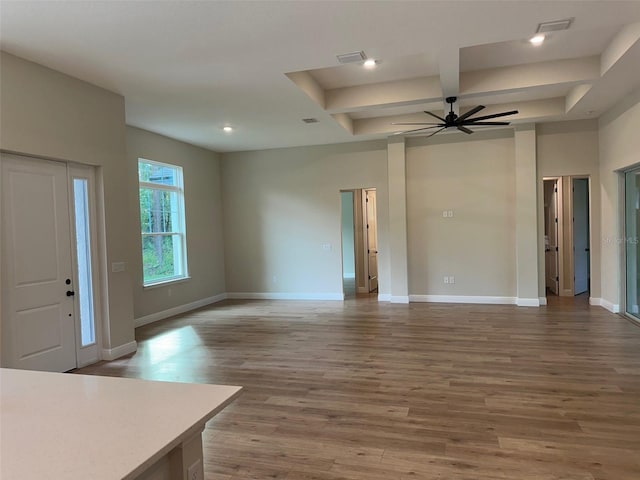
(180, 232)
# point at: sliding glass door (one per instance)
(632, 246)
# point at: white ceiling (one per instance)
(186, 69)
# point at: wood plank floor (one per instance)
(377, 391)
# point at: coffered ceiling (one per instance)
(187, 69)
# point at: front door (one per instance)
(372, 239)
(38, 326)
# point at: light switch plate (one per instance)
(118, 267)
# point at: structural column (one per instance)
(526, 216)
(396, 174)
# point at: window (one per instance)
(164, 246)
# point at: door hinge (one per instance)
(556, 219)
(367, 225)
(556, 249)
(557, 279)
(555, 190)
(369, 277)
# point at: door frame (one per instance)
(559, 231)
(91, 353)
(354, 193)
(569, 291)
(572, 259)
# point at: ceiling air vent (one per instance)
(554, 26)
(310, 120)
(355, 57)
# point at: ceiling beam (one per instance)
(385, 94)
(534, 75)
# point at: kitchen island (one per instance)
(72, 427)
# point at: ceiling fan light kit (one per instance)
(452, 120)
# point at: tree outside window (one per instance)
(164, 256)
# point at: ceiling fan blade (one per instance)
(487, 123)
(416, 130)
(464, 129)
(437, 131)
(466, 115)
(435, 116)
(495, 115)
(415, 123)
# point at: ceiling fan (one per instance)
(454, 121)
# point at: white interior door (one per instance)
(38, 330)
(581, 235)
(372, 239)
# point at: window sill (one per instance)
(164, 283)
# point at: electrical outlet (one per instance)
(452, 279)
(444, 214)
(446, 279)
(194, 471)
(450, 214)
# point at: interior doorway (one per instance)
(551, 236)
(581, 246)
(359, 230)
(371, 230)
(49, 269)
(567, 236)
(347, 200)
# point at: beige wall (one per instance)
(203, 210)
(571, 149)
(475, 177)
(619, 144)
(45, 113)
(281, 206)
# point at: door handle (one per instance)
(70, 293)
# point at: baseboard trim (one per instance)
(384, 297)
(119, 351)
(399, 298)
(284, 296)
(463, 299)
(154, 317)
(543, 301)
(606, 304)
(528, 302)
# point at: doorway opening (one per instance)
(348, 210)
(581, 245)
(567, 236)
(359, 242)
(551, 235)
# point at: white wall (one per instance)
(474, 176)
(203, 210)
(48, 114)
(281, 206)
(619, 144)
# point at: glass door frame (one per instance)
(624, 241)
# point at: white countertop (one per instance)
(63, 426)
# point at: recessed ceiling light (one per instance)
(370, 63)
(537, 40)
(228, 129)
